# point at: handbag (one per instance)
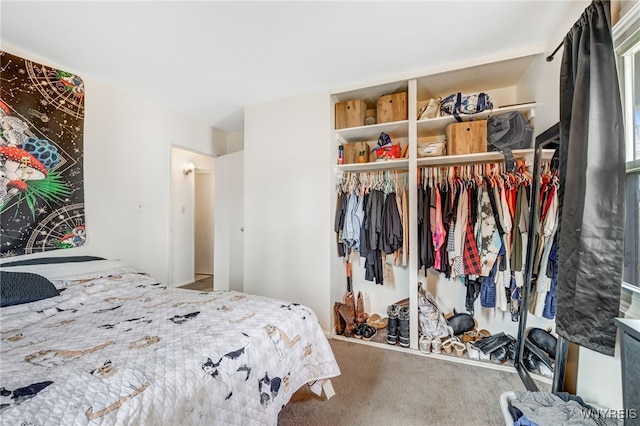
(459, 103)
(430, 110)
(508, 131)
(431, 320)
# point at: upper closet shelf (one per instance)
(376, 166)
(435, 126)
(395, 129)
(481, 157)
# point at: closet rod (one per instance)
(550, 57)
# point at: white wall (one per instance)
(542, 79)
(235, 142)
(287, 194)
(127, 160)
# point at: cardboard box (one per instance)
(466, 138)
(392, 108)
(356, 152)
(350, 113)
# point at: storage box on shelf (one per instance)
(468, 137)
(350, 113)
(392, 107)
(357, 152)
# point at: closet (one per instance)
(509, 85)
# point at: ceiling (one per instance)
(208, 59)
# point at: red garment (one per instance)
(547, 204)
(470, 255)
(511, 195)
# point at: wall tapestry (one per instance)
(41, 156)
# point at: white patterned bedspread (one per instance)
(116, 347)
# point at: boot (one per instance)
(530, 361)
(392, 325)
(348, 313)
(360, 309)
(500, 355)
(511, 350)
(403, 326)
(338, 321)
(350, 301)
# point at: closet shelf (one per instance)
(435, 126)
(395, 129)
(481, 157)
(401, 164)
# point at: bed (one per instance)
(114, 346)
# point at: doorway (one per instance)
(203, 236)
(192, 217)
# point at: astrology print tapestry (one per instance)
(41, 156)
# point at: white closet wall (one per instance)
(286, 220)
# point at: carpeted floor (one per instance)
(386, 387)
(201, 283)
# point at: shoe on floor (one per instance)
(368, 332)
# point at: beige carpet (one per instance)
(202, 283)
(386, 387)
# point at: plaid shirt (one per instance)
(471, 257)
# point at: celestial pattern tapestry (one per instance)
(41, 156)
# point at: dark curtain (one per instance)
(591, 168)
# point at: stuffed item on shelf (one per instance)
(385, 149)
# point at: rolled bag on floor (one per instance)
(543, 340)
(461, 323)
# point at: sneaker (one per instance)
(358, 332)
(425, 344)
(369, 332)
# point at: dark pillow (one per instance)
(24, 287)
(48, 260)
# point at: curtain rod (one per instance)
(550, 57)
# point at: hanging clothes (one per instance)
(354, 217)
(473, 225)
(427, 252)
(391, 235)
(438, 231)
(459, 234)
(548, 230)
(489, 236)
(471, 256)
(373, 227)
(405, 226)
(549, 311)
(341, 209)
(371, 218)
